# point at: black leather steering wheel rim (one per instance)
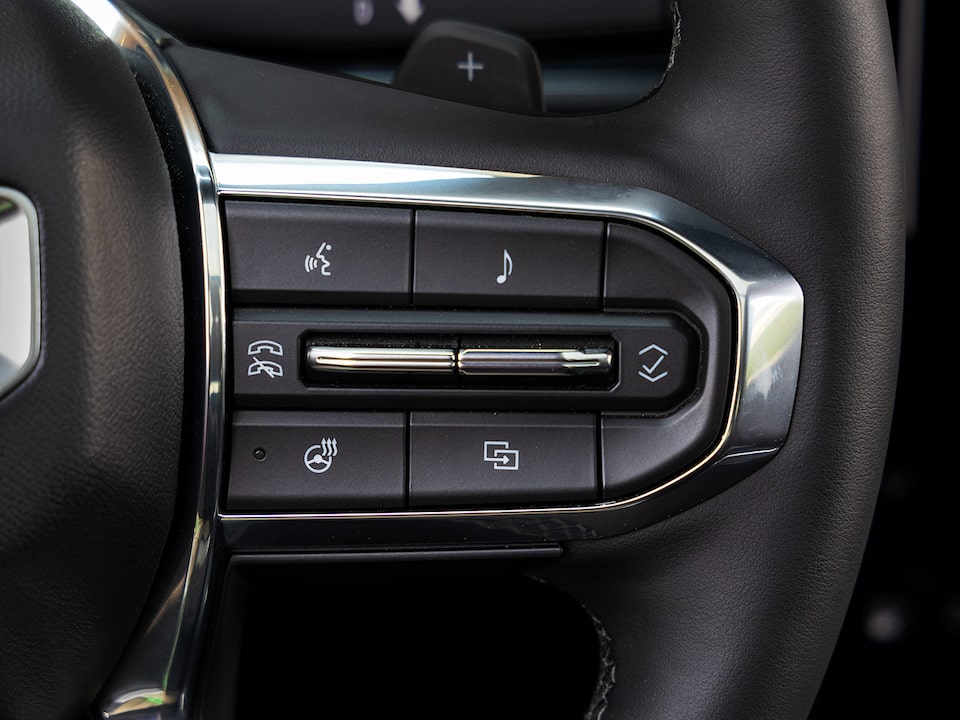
(89, 442)
(781, 122)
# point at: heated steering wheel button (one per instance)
(310, 461)
(303, 253)
(501, 458)
(489, 260)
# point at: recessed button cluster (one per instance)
(390, 358)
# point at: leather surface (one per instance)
(89, 444)
(780, 119)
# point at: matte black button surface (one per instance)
(315, 461)
(644, 269)
(477, 259)
(501, 458)
(303, 253)
(640, 453)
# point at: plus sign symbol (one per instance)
(470, 66)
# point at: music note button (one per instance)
(503, 260)
(507, 268)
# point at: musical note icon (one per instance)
(507, 268)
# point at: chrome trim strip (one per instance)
(152, 677)
(525, 362)
(768, 308)
(380, 359)
(19, 288)
(468, 361)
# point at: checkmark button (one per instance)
(652, 357)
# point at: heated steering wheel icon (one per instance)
(318, 458)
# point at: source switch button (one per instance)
(476, 459)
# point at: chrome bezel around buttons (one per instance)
(768, 324)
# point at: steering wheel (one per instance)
(768, 157)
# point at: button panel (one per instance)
(593, 356)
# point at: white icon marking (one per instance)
(652, 351)
(410, 10)
(265, 367)
(318, 260)
(362, 12)
(499, 453)
(507, 268)
(259, 346)
(653, 367)
(259, 366)
(318, 458)
(470, 66)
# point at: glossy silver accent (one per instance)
(468, 361)
(768, 330)
(152, 677)
(558, 362)
(19, 288)
(380, 360)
